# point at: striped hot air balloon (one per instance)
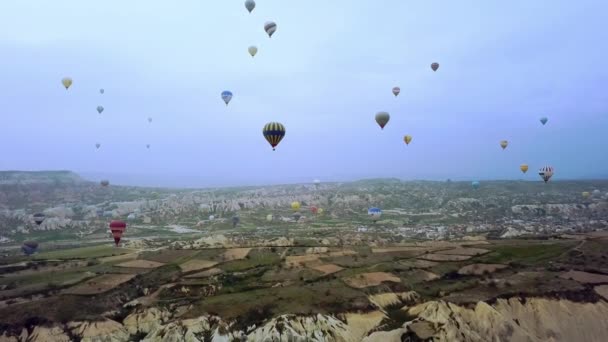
(396, 91)
(374, 213)
(227, 96)
(435, 66)
(39, 218)
(546, 173)
(270, 27)
(274, 133)
(117, 228)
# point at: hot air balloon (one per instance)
(250, 5)
(211, 217)
(543, 120)
(101, 91)
(374, 213)
(475, 184)
(39, 218)
(235, 221)
(297, 216)
(523, 168)
(546, 173)
(382, 119)
(396, 91)
(150, 120)
(314, 210)
(269, 217)
(117, 228)
(295, 206)
(104, 182)
(320, 211)
(99, 109)
(596, 193)
(226, 96)
(148, 146)
(98, 145)
(274, 133)
(503, 144)
(253, 50)
(407, 139)
(270, 27)
(67, 82)
(586, 194)
(316, 182)
(435, 66)
(29, 247)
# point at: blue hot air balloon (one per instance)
(226, 96)
(29, 247)
(543, 120)
(375, 213)
(475, 184)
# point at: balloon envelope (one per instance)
(269, 217)
(314, 210)
(39, 218)
(523, 168)
(235, 221)
(97, 145)
(270, 27)
(435, 66)
(67, 82)
(249, 5)
(382, 119)
(407, 139)
(396, 91)
(99, 109)
(101, 91)
(295, 206)
(105, 182)
(29, 247)
(273, 133)
(117, 228)
(375, 213)
(252, 50)
(226, 96)
(475, 184)
(504, 144)
(546, 173)
(543, 120)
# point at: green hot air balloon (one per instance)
(382, 119)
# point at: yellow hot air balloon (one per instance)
(320, 211)
(586, 194)
(295, 206)
(252, 50)
(67, 82)
(503, 144)
(269, 217)
(523, 168)
(407, 139)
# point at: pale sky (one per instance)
(324, 74)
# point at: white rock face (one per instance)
(102, 331)
(48, 334)
(146, 320)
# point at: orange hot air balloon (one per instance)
(523, 168)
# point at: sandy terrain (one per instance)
(444, 257)
(479, 269)
(99, 284)
(116, 258)
(342, 253)
(327, 268)
(300, 260)
(235, 254)
(464, 251)
(196, 264)
(602, 290)
(585, 277)
(141, 264)
(361, 324)
(371, 279)
(206, 273)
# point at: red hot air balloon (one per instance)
(117, 228)
(314, 210)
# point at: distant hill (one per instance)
(39, 177)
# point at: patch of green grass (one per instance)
(84, 252)
(526, 255)
(255, 258)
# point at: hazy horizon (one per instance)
(324, 74)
